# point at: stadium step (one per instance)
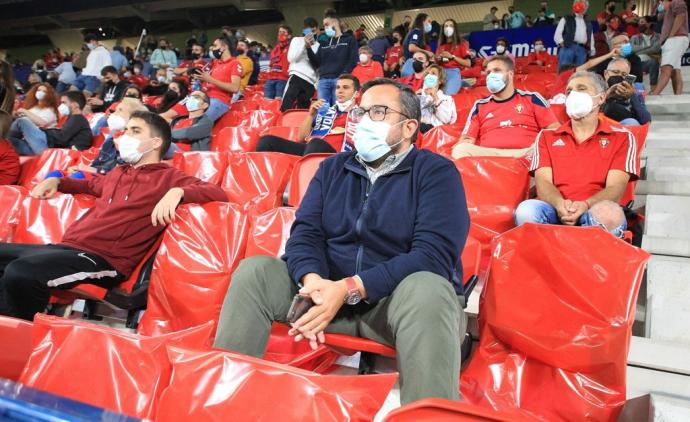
(667, 228)
(668, 301)
(668, 104)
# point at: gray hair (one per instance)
(367, 49)
(615, 60)
(596, 79)
(409, 101)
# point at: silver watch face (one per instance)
(354, 298)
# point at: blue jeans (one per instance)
(62, 87)
(540, 212)
(216, 109)
(27, 138)
(274, 88)
(87, 83)
(407, 68)
(453, 81)
(629, 122)
(326, 90)
(574, 55)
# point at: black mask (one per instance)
(612, 9)
(217, 53)
(614, 80)
(170, 95)
(163, 47)
(195, 56)
(634, 6)
(240, 51)
(417, 66)
(132, 96)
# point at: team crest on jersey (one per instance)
(604, 142)
(519, 108)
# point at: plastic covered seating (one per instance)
(292, 118)
(43, 221)
(269, 232)
(11, 198)
(290, 133)
(304, 171)
(640, 133)
(441, 410)
(15, 340)
(256, 180)
(100, 138)
(208, 166)
(556, 321)
(244, 105)
(103, 366)
(35, 169)
(235, 138)
(191, 272)
(441, 139)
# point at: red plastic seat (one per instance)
(257, 180)
(304, 171)
(640, 133)
(208, 166)
(235, 138)
(191, 273)
(35, 169)
(11, 198)
(88, 155)
(16, 346)
(269, 105)
(292, 118)
(100, 138)
(45, 221)
(441, 410)
(441, 139)
(269, 232)
(244, 105)
(285, 132)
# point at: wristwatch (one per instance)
(353, 296)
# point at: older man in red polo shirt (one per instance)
(583, 167)
(507, 122)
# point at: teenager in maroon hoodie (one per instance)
(134, 203)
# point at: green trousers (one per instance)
(423, 319)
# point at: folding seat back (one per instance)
(191, 272)
(441, 139)
(244, 105)
(556, 321)
(235, 138)
(286, 132)
(100, 138)
(16, 346)
(208, 166)
(256, 180)
(292, 118)
(441, 410)
(254, 95)
(269, 105)
(37, 168)
(44, 221)
(231, 118)
(87, 156)
(304, 171)
(269, 232)
(11, 199)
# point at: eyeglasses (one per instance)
(618, 72)
(377, 113)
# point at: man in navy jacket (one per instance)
(376, 245)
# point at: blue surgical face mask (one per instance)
(430, 81)
(192, 104)
(626, 49)
(330, 32)
(370, 139)
(495, 82)
(427, 28)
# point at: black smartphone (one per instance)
(300, 305)
(631, 79)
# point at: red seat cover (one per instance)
(208, 166)
(441, 410)
(15, 341)
(286, 132)
(36, 169)
(11, 198)
(235, 138)
(292, 118)
(44, 221)
(441, 139)
(304, 171)
(640, 133)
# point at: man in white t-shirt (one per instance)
(99, 57)
(302, 81)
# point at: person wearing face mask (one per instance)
(574, 36)
(437, 108)
(326, 129)
(75, 132)
(647, 46)
(674, 44)
(419, 64)
(453, 55)
(230, 35)
(506, 123)
(40, 107)
(384, 225)
(379, 45)
(247, 67)
(394, 57)
(612, 29)
(173, 99)
(337, 56)
(573, 188)
(630, 19)
(622, 48)
(417, 41)
(278, 72)
(539, 56)
(138, 77)
(112, 90)
(134, 204)
(503, 48)
(163, 57)
(608, 12)
(302, 80)
(193, 133)
(623, 103)
(367, 68)
(194, 61)
(66, 75)
(98, 57)
(517, 18)
(490, 19)
(404, 27)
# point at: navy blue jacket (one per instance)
(413, 219)
(336, 56)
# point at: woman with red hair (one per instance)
(40, 106)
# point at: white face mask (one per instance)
(449, 31)
(538, 47)
(500, 49)
(63, 109)
(363, 58)
(128, 146)
(342, 106)
(40, 95)
(578, 105)
(116, 122)
(161, 79)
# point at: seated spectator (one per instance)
(367, 68)
(117, 56)
(138, 78)
(564, 74)
(437, 108)
(194, 61)
(622, 48)
(247, 67)
(66, 75)
(505, 123)
(453, 55)
(302, 81)
(134, 203)
(195, 130)
(539, 56)
(612, 30)
(278, 72)
(133, 91)
(394, 57)
(29, 139)
(9, 160)
(601, 42)
(325, 128)
(572, 188)
(40, 107)
(503, 48)
(112, 90)
(99, 57)
(173, 99)
(623, 103)
(401, 257)
(158, 85)
(417, 41)
(420, 62)
(647, 46)
(379, 45)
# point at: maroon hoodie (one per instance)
(118, 228)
